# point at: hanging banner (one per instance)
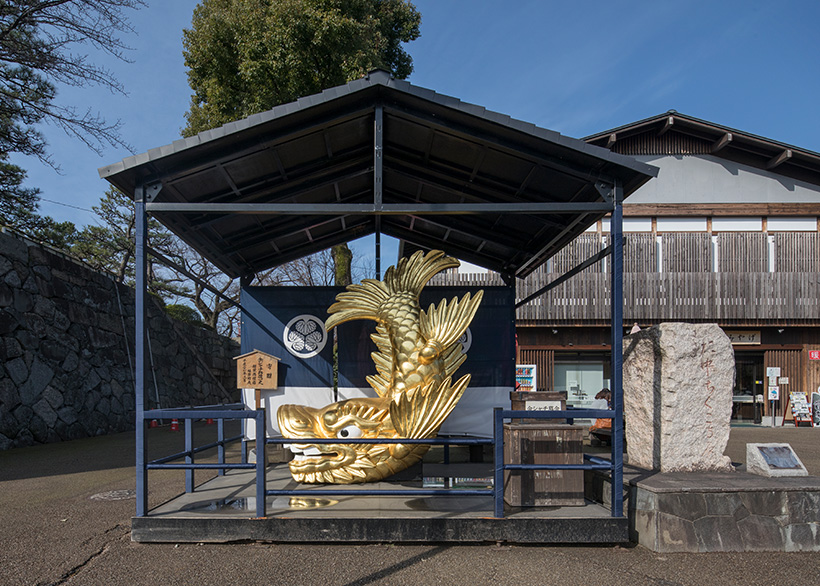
(289, 322)
(489, 341)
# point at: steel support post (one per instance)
(141, 232)
(498, 463)
(616, 382)
(378, 180)
(261, 480)
(220, 449)
(189, 454)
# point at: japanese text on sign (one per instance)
(256, 370)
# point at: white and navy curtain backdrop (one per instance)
(288, 322)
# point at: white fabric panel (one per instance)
(474, 413)
(355, 393)
(681, 224)
(473, 416)
(737, 224)
(273, 399)
(792, 224)
(637, 224)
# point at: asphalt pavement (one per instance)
(65, 514)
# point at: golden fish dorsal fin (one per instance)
(445, 324)
(420, 414)
(410, 275)
(453, 358)
(361, 301)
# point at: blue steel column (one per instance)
(189, 454)
(140, 225)
(220, 450)
(261, 422)
(616, 382)
(378, 177)
(498, 463)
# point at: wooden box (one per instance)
(540, 443)
(538, 401)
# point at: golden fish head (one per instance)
(340, 463)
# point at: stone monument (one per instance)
(677, 381)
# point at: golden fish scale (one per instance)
(401, 316)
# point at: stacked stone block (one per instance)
(66, 351)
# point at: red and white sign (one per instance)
(814, 354)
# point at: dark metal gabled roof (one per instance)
(713, 139)
(454, 176)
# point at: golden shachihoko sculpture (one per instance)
(417, 354)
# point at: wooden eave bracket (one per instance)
(779, 159)
(722, 142)
(670, 121)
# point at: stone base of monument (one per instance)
(717, 512)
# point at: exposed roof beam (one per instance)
(331, 209)
(555, 243)
(670, 120)
(722, 142)
(779, 159)
(478, 137)
(252, 145)
(470, 255)
(610, 141)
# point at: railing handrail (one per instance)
(497, 491)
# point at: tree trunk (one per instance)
(342, 261)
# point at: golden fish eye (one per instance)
(349, 431)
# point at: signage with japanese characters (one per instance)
(740, 337)
(257, 370)
(814, 354)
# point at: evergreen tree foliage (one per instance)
(247, 56)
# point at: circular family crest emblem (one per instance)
(305, 336)
(466, 340)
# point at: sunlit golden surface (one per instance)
(417, 354)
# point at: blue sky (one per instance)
(574, 67)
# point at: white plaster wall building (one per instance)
(727, 233)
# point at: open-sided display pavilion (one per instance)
(379, 156)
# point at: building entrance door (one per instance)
(749, 382)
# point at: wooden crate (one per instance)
(527, 443)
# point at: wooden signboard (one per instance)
(257, 370)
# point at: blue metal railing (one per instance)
(220, 413)
(236, 411)
(384, 491)
(499, 415)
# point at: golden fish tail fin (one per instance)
(442, 326)
(410, 275)
(361, 301)
(420, 414)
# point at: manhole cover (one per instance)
(114, 495)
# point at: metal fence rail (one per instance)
(220, 413)
(259, 416)
(499, 415)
